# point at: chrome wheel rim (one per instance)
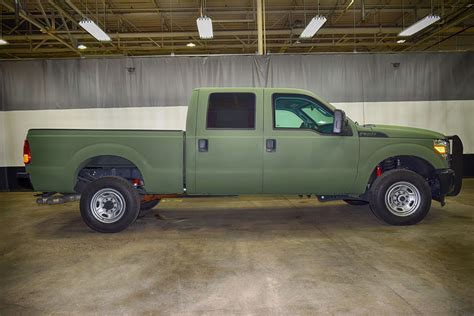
(108, 205)
(402, 198)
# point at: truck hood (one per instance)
(373, 130)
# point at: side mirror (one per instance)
(339, 121)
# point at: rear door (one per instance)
(229, 142)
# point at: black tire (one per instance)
(400, 197)
(145, 206)
(117, 204)
(356, 202)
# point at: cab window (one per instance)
(231, 111)
(299, 111)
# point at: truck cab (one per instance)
(267, 141)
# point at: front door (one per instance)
(229, 142)
(302, 154)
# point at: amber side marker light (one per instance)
(26, 152)
(441, 147)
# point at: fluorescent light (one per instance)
(421, 24)
(401, 41)
(3, 42)
(82, 46)
(191, 45)
(204, 25)
(94, 30)
(313, 26)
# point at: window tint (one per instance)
(287, 119)
(300, 111)
(231, 110)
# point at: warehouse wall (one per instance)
(428, 90)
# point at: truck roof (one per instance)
(242, 89)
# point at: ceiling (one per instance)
(49, 28)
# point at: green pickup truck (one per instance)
(246, 141)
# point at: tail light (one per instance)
(26, 152)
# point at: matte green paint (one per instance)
(306, 162)
(237, 162)
(58, 155)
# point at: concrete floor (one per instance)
(238, 255)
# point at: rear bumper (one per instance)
(23, 180)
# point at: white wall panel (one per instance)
(17, 123)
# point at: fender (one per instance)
(394, 147)
(80, 159)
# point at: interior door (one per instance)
(229, 142)
(302, 154)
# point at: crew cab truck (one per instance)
(247, 141)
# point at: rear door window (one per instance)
(231, 110)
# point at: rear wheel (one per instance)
(400, 197)
(109, 204)
(356, 202)
(145, 206)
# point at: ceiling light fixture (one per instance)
(3, 42)
(191, 45)
(421, 24)
(94, 30)
(401, 41)
(204, 25)
(313, 26)
(81, 46)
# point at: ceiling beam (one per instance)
(324, 31)
(41, 27)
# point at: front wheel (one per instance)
(109, 204)
(400, 197)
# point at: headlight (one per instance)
(441, 146)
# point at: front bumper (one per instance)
(445, 185)
(449, 181)
(455, 163)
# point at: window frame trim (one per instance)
(300, 129)
(235, 128)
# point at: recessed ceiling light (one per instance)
(81, 46)
(3, 42)
(401, 41)
(191, 45)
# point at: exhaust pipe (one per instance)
(58, 199)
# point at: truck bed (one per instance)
(59, 154)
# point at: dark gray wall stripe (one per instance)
(168, 81)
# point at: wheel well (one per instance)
(106, 165)
(415, 164)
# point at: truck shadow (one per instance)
(223, 220)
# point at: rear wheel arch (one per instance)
(105, 165)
